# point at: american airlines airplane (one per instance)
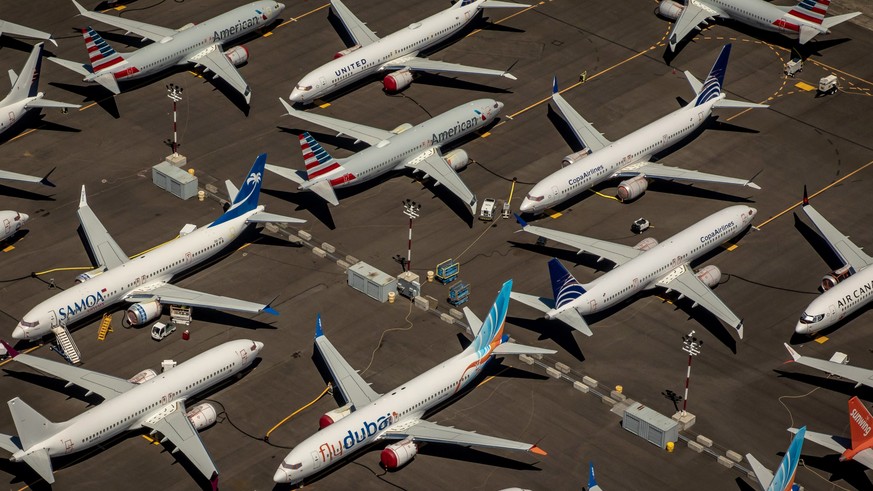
(785, 474)
(642, 267)
(859, 447)
(7, 27)
(396, 52)
(804, 20)
(147, 400)
(398, 414)
(12, 222)
(845, 290)
(629, 157)
(145, 280)
(404, 147)
(200, 44)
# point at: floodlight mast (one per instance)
(692, 346)
(410, 209)
(174, 92)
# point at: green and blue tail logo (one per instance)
(714, 82)
(246, 199)
(491, 334)
(784, 478)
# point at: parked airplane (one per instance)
(642, 267)
(12, 223)
(7, 27)
(407, 146)
(805, 20)
(592, 481)
(398, 51)
(861, 376)
(145, 280)
(629, 157)
(192, 43)
(397, 415)
(147, 400)
(784, 478)
(843, 291)
(860, 447)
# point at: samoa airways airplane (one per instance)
(629, 157)
(642, 267)
(144, 281)
(398, 415)
(398, 51)
(147, 400)
(192, 43)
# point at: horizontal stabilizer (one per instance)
(575, 320)
(730, 103)
(569, 316)
(829, 22)
(806, 34)
(836, 443)
(297, 176)
(762, 474)
(696, 85)
(542, 304)
(496, 4)
(264, 217)
(10, 443)
(49, 103)
(324, 190)
(71, 65)
(473, 320)
(520, 349)
(40, 461)
(232, 190)
(108, 81)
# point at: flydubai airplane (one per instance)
(642, 267)
(12, 223)
(804, 20)
(629, 157)
(398, 414)
(404, 147)
(845, 290)
(7, 28)
(200, 44)
(784, 478)
(860, 447)
(147, 400)
(145, 280)
(396, 52)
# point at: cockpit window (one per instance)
(808, 319)
(17, 216)
(535, 198)
(304, 88)
(495, 105)
(293, 467)
(29, 324)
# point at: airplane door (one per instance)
(321, 82)
(54, 317)
(11, 117)
(316, 463)
(592, 304)
(7, 226)
(554, 191)
(832, 310)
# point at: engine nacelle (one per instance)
(574, 157)
(397, 81)
(143, 376)
(141, 313)
(398, 454)
(646, 244)
(831, 279)
(237, 55)
(709, 275)
(400, 129)
(632, 188)
(334, 415)
(202, 416)
(670, 9)
(457, 159)
(340, 54)
(88, 275)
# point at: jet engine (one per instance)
(141, 313)
(398, 454)
(709, 275)
(143, 376)
(400, 129)
(237, 55)
(646, 244)
(334, 415)
(202, 416)
(457, 159)
(632, 188)
(88, 275)
(670, 9)
(574, 157)
(340, 54)
(831, 279)
(397, 81)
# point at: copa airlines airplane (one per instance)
(805, 20)
(845, 290)
(147, 400)
(398, 51)
(192, 43)
(397, 415)
(404, 147)
(7, 27)
(785, 474)
(145, 280)
(860, 446)
(642, 267)
(629, 157)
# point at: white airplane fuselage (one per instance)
(672, 255)
(10, 112)
(621, 154)
(764, 15)
(11, 222)
(836, 303)
(151, 400)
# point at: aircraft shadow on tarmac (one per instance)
(849, 471)
(562, 334)
(818, 243)
(13, 42)
(35, 119)
(12, 191)
(800, 373)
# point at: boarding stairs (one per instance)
(105, 327)
(66, 344)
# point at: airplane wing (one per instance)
(434, 165)
(176, 427)
(106, 386)
(367, 134)
(841, 245)
(7, 27)
(836, 443)
(14, 176)
(360, 33)
(103, 247)
(148, 31)
(862, 376)
(692, 16)
(353, 387)
(584, 131)
(213, 58)
(176, 295)
(684, 281)
(418, 64)
(570, 316)
(617, 253)
(425, 431)
(659, 171)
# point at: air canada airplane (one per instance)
(859, 447)
(147, 400)
(200, 44)
(642, 267)
(399, 414)
(397, 52)
(785, 474)
(804, 20)
(7, 27)
(145, 280)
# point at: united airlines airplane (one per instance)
(396, 52)
(787, 471)
(200, 44)
(145, 280)
(147, 400)
(370, 417)
(642, 267)
(629, 157)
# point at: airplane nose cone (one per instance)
(19, 333)
(258, 346)
(296, 96)
(801, 328)
(24, 217)
(281, 7)
(281, 476)
(526, 207)
(753, 211)
(499, 106)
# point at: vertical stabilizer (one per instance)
(100, 53)
(246, 198)
(31, 426)
(27, 83)
(811, 10)
(565, 288)
(592, 481)
(318, 162)
(714, 82)
(860, 421)
(491, 333)
(784, 478)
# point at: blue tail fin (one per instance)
(491, 334)
(246, 199)
(714, 82)
(565, 288)
(784, 478)
(592, 482)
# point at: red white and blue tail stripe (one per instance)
(811, 10)
(318, 162)
(100, 53)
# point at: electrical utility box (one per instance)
(651, 425)
(371, 281)
(175, 180)
(408, 284)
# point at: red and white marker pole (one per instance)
(690, 345)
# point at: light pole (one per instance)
(692, 346)
(410, 209)
(174, 92)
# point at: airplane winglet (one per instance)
(270, 310)
(592, 481)
(83, 199)
(805, 196)
(520, 220)
(12, 352)
(318, 332)
(82, 10)
(537, 450)
(795, 355)
(554, 84)
(45, 180)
